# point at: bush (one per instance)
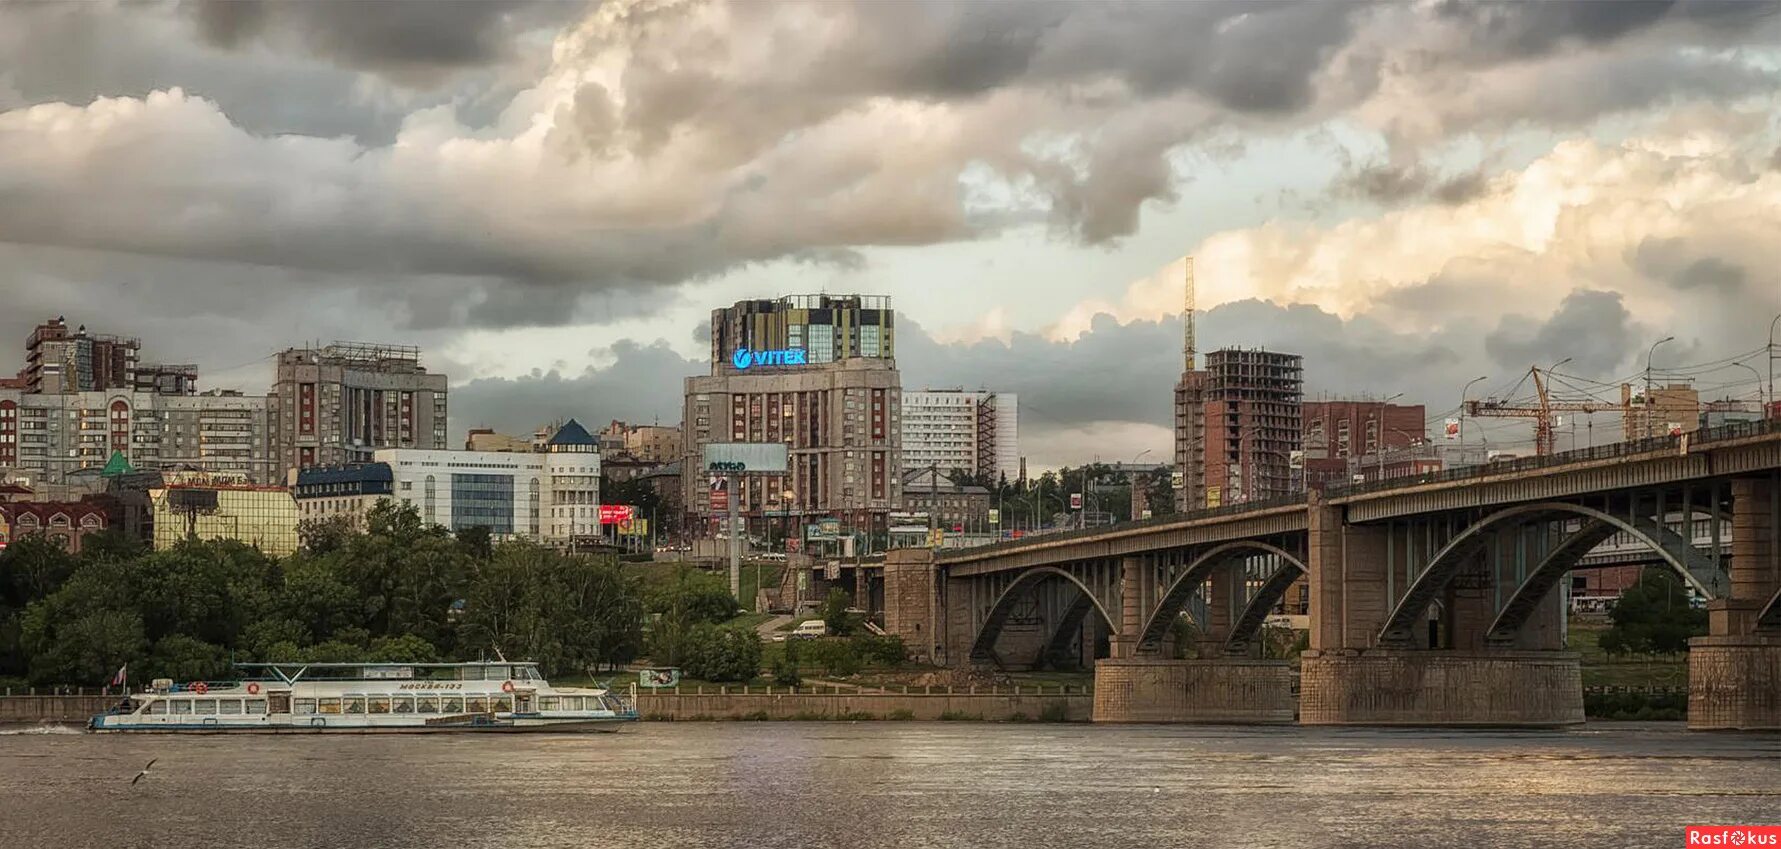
(1636, 706)
(876, 651)
(722, 654)
(902, 714)
(835, 657)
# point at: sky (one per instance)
(550, 198)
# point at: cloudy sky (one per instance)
(551, 197)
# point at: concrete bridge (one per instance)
(1432, 601)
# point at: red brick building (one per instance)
(1338, 430)
(66, 522)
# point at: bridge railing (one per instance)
(1294, 499)
(1737, 430)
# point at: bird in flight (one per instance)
(143, 772)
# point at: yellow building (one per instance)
(261, 516)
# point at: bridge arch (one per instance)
(983, 648)
(1202, 567)
(1598, 525)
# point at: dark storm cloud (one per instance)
(643, 384)
(415, 43)
(1523, 29)
(1682, 266)
(1393, 184)
(1594, 329)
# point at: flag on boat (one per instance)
(119, 679)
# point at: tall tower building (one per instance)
(339, 404)
(817, 372)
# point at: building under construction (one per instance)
(1238, 422)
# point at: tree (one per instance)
(704, 597)
(722, 653)
(184, 658)
(1654, 616)
(327, 534)
(834, 612)
(476, 541)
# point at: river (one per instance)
(884, 784)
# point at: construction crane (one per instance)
(1540, 413)
(1187, 315)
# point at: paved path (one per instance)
(770, 627)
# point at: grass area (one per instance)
(756, 575)
(1602, 670)
(750, 621)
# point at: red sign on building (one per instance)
(720, 495)
(612, 514)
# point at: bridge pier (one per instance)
(1539, 689)
(1734, 673)
(1231, 691)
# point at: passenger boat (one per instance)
(371, 697)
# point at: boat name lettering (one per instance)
(433, 685)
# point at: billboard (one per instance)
(612, 514)
(633, 527)
(720, 495)
(745, 458)
(823, 530)
(995, 516)
(1451, 431)
(1075, 501)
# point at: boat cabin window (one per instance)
(404, 704)
(550, 703)
(303, 706)
(380, 704)
(228, 707)
(327, 706)
(182, 706)
(501, 704)
(571, 703)
(204, 707)
(256, 707)
(426, 704)
(451, 704)
(476, 704)
(158, 707)
(355, 704)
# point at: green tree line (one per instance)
(399, 590)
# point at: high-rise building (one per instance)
(338, 404)
(1240, 437)
(1676, 404)
(57, 360)
(977, 432)
(52, 436)
(817, 373)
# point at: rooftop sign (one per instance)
(745, 358)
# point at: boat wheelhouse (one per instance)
(372, 697)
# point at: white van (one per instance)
(810, 629)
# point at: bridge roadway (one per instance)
(1432, 601)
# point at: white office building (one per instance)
(502, 491)
(957, 429)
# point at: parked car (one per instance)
(810, 629)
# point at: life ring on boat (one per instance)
(199, 687)
(506, 686)
(253, 689)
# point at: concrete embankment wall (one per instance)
(780, 704)
(34, 709)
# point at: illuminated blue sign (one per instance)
(744, 358)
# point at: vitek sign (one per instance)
(745, 358)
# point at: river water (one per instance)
(884, 784)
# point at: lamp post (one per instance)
(1133, 480)
(1648, 355)
(1771, 349)
(1753, 373)
(1462, 409)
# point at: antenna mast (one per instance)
(1187, 316)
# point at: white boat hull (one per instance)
(110, 724)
